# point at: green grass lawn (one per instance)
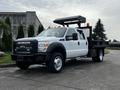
(6, 58)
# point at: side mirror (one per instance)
(75, 36)
(69, 38)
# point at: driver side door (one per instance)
(70, 44)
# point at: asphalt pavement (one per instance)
(80, 75)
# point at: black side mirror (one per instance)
(69, 38)
(75, 36)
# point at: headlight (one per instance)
(42, 46)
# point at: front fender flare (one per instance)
(56, 45)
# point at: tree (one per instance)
(30, 31)
(114, 40)
(110, 40)
(20, 32)
(40, 28)
(7, 38)
(4, 30)
(98, 31)
(3, 26)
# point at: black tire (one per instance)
(22, 65)
(99, 57)
(55, 63)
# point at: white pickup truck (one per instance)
(54, 46)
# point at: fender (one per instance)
(55, 46)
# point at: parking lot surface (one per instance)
(80, 75)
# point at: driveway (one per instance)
(79, 75)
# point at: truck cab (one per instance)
(73, 40)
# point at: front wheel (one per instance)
(55, 62)
(99, 57)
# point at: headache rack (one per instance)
(70, 20)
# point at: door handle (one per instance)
(78, 43)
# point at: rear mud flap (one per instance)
(93, 53)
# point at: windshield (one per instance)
(56, 32)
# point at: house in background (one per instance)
(24, 19)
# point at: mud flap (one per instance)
(93, 53)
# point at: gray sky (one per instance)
(47, 10)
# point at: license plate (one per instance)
(20, 58)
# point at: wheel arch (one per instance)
(57, 47)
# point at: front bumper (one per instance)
(32, 58)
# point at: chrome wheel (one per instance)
(58, 63)
(55, 64)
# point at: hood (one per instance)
(38, 39)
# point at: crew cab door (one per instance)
(83, 44)
(72, 46)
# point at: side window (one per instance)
(81, 35)
(70, 32)
(69, 35)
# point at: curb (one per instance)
(7, 65)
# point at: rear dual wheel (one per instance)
(99, 57)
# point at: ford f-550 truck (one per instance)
(54, 46)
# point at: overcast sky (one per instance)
(48, 10)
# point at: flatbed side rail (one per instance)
(99, 44)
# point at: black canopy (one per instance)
(70, 20)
